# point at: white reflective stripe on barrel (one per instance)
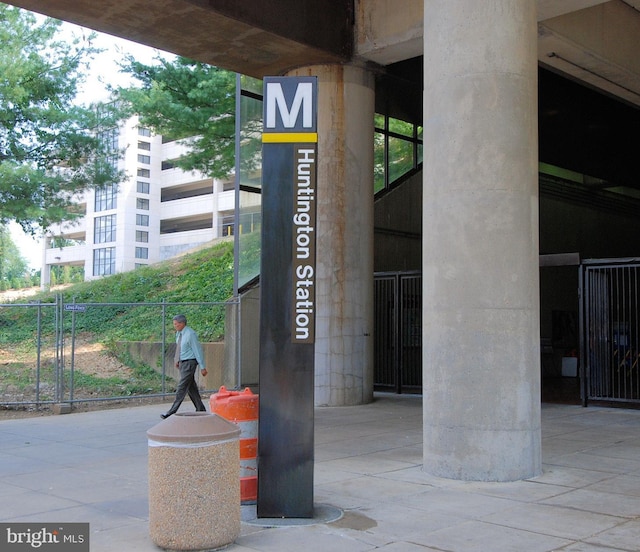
(248, 428)
(248, 467)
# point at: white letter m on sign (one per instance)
(302, 99)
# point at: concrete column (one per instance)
(344, 256)
(216, 222)
(481, 360)
(45, 269)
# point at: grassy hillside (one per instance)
(118, 308)
(202, 276)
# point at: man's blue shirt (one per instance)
(190, 346)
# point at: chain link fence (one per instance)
(59, 352)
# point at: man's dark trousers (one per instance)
(186, 385)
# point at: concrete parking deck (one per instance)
(92, 467)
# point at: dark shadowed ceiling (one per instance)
(587, 131)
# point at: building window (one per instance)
(104, 229)
(142, 187)
(140, 265)
(105, 198)
(146, 159)
(144, 173)
(397, 150)
(144, 131)
(104, 261)
(166, 165)
(142, 203)
(142, 220)
(142, 236)
(145, 146)
(142, 253)
(109, 139)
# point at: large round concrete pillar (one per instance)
(344, 254)
(481, 372)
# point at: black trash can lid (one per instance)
(193, 427)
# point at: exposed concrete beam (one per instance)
(386, 34)
(218, 33)
(598, 46)
(594, 41)
(553, 8)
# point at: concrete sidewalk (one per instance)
(92, 467)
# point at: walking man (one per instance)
(187, 358)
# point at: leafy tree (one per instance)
(50, 148)
(66, 274)
(13, 267)
(188, 100)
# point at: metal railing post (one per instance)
(73, 351)
(164, 344)
(38, 352)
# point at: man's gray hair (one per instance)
(180, 318)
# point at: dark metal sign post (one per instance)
(287, 298)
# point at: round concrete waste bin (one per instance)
(194, 492)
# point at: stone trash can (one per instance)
(194, 492)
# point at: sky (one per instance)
(103, 70)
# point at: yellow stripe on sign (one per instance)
(289, 137)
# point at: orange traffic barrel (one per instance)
(241, 408)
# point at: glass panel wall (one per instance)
(397, 150)
(248, 179)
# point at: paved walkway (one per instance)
(92, 467)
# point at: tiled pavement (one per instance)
(92, 467)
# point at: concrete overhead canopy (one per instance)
(250, 37)
(592, 41)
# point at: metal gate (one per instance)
(610, 333)
(398, 332)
